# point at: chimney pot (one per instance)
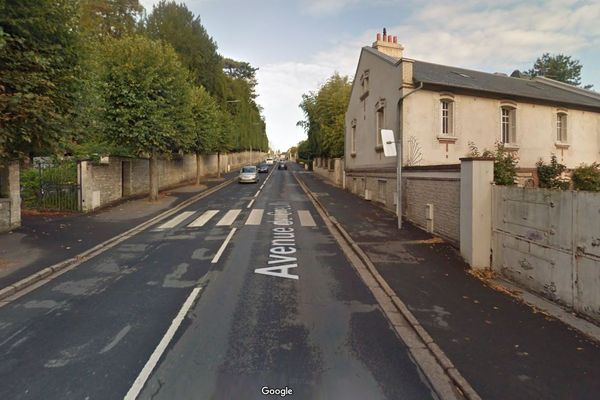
(378, 36)
(390, 39)
(395, 39)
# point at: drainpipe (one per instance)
(399, 161)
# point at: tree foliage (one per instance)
(324, 113)
(38, 74)
(559, 67)
(110, 18)
(587, 177)
(147, 96)
(550, 175)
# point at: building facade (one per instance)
(439, 113)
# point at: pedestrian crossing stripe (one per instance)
(203, 219)
(255, 218)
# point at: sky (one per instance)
(298, 44)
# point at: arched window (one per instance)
(447, 117)
(561, 127)
(508, 124)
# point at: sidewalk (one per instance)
(502, 347)
(44, 240)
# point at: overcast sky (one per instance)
(297, 44)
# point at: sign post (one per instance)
(391, 148)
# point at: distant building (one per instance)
(437, 110)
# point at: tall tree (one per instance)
(558, 67)
(206, 126)
(148, 99)
(38, 74)
(110, 18)
(176, 24)
(324, 117)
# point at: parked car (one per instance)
(248, 174)
(263, 168)
(282, 165)
(270, 161)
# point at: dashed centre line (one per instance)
(306, 218)
(223, 246)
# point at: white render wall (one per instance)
(477, 119)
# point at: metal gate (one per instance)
(56, 185)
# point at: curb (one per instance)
(48, 273)
(424, 340)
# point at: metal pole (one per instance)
(399, 183)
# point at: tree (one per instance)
(110, 18)
(324, 113)
(207, 126)
(176, 24)
(559, 67)
(38, 74)
(148, 99)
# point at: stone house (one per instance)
(436, 111)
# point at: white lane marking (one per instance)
(173, 222)
(203, 219)
(222, 248)
(139, 383)
(229, 217)
(255, 216)
(257, 193)
(306, 218)
(250, 204)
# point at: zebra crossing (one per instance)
(227, 218)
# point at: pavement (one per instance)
(241, 292)
(46, 239)
(504, 348)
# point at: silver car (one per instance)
(248, 174)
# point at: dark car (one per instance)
(282, 165)
(262, 168)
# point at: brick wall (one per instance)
(331, 169)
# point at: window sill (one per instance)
(562, 145)
(364, 95)
(379, 148)
(353, 154)
(446, 138)
(511, 147)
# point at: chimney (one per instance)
(388, 44)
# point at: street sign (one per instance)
(389, 142)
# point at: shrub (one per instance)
(587, 177)
(550, 175)
(505, 165)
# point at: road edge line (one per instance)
(15, 290)
(390, 297)
(223, 246)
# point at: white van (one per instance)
(270, 161)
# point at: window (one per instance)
(508, 125)
(447, 117)
(561, 127)
(380, 121)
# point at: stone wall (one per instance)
(10, 196)
(331, 169)
(105, 183)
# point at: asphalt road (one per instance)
(239, 291)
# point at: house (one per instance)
(437, 112)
